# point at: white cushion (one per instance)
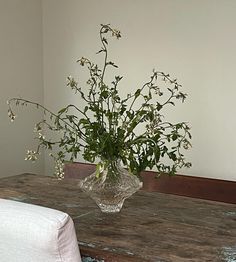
(30, 233)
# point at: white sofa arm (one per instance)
(31, 233)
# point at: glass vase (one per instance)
(110, 185)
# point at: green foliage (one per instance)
(106, 127)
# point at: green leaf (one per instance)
(105, 94)
(137, 93)
(158, 106)
(86, 109)
(84, 122)
(174, 136)
(100, 51)
(62, 110)
(104, 40)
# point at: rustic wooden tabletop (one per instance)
(151, 227)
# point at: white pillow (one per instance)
(30, 233)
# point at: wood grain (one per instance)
(152, 227)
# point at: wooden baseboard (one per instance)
(190, 186)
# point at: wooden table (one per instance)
(152, 227)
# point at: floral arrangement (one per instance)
(106, 127)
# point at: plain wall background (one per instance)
(193, 40)
(20, 75)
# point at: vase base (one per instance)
(110, 208)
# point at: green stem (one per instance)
(44, 109)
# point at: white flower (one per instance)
(31, 155)
(37, 128)
(83, 60)
(41, 136)
(71, 82)
(11, 115)
(186, 146)
(116, 33)
(59, 169)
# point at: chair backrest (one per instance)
(31, 233)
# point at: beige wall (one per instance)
(193, 40)
(21, 75)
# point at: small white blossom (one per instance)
(89, 82)
(116, 33)
(186, 145)
(11, 115)
(83, 61)
(37, 128)
(71, 82)
(31, 155)
(41, 136)
(59, 169)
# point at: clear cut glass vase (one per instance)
(110, 185)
